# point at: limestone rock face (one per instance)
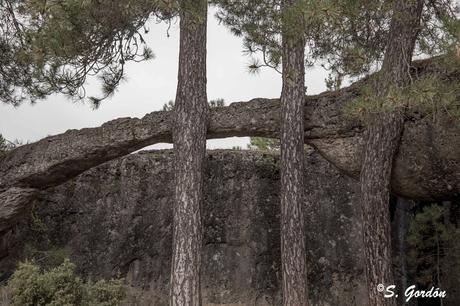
(115, 220)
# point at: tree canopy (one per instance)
(53, 46)
(347, 37)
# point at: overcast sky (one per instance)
(150, 84)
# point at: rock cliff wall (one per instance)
(115, 220)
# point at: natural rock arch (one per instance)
(427, 166)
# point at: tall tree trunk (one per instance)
(189, 135)
(293, 253)
(381, 142)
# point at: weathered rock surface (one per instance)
(116, 218)
(427, 166)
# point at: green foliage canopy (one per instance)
(53, 46)
(50, 46)
(428, 95)
(348, 37)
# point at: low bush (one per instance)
(60, 286)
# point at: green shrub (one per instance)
(31, 286)
(105, 293)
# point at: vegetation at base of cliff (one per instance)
(30, 285)
(434, 241)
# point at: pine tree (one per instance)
(380, 145)
(48, 47)
(189, 135)
(339, 34)
(51, 47)
(293, 238)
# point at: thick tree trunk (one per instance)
(293, 251)
(381, 142)
(190, 125)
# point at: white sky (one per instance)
(150, 84)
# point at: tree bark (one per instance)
(293, 239)
(381, 142)
(190, 125)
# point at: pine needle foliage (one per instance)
(53, 46)
(347, 37)
(428, 95)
